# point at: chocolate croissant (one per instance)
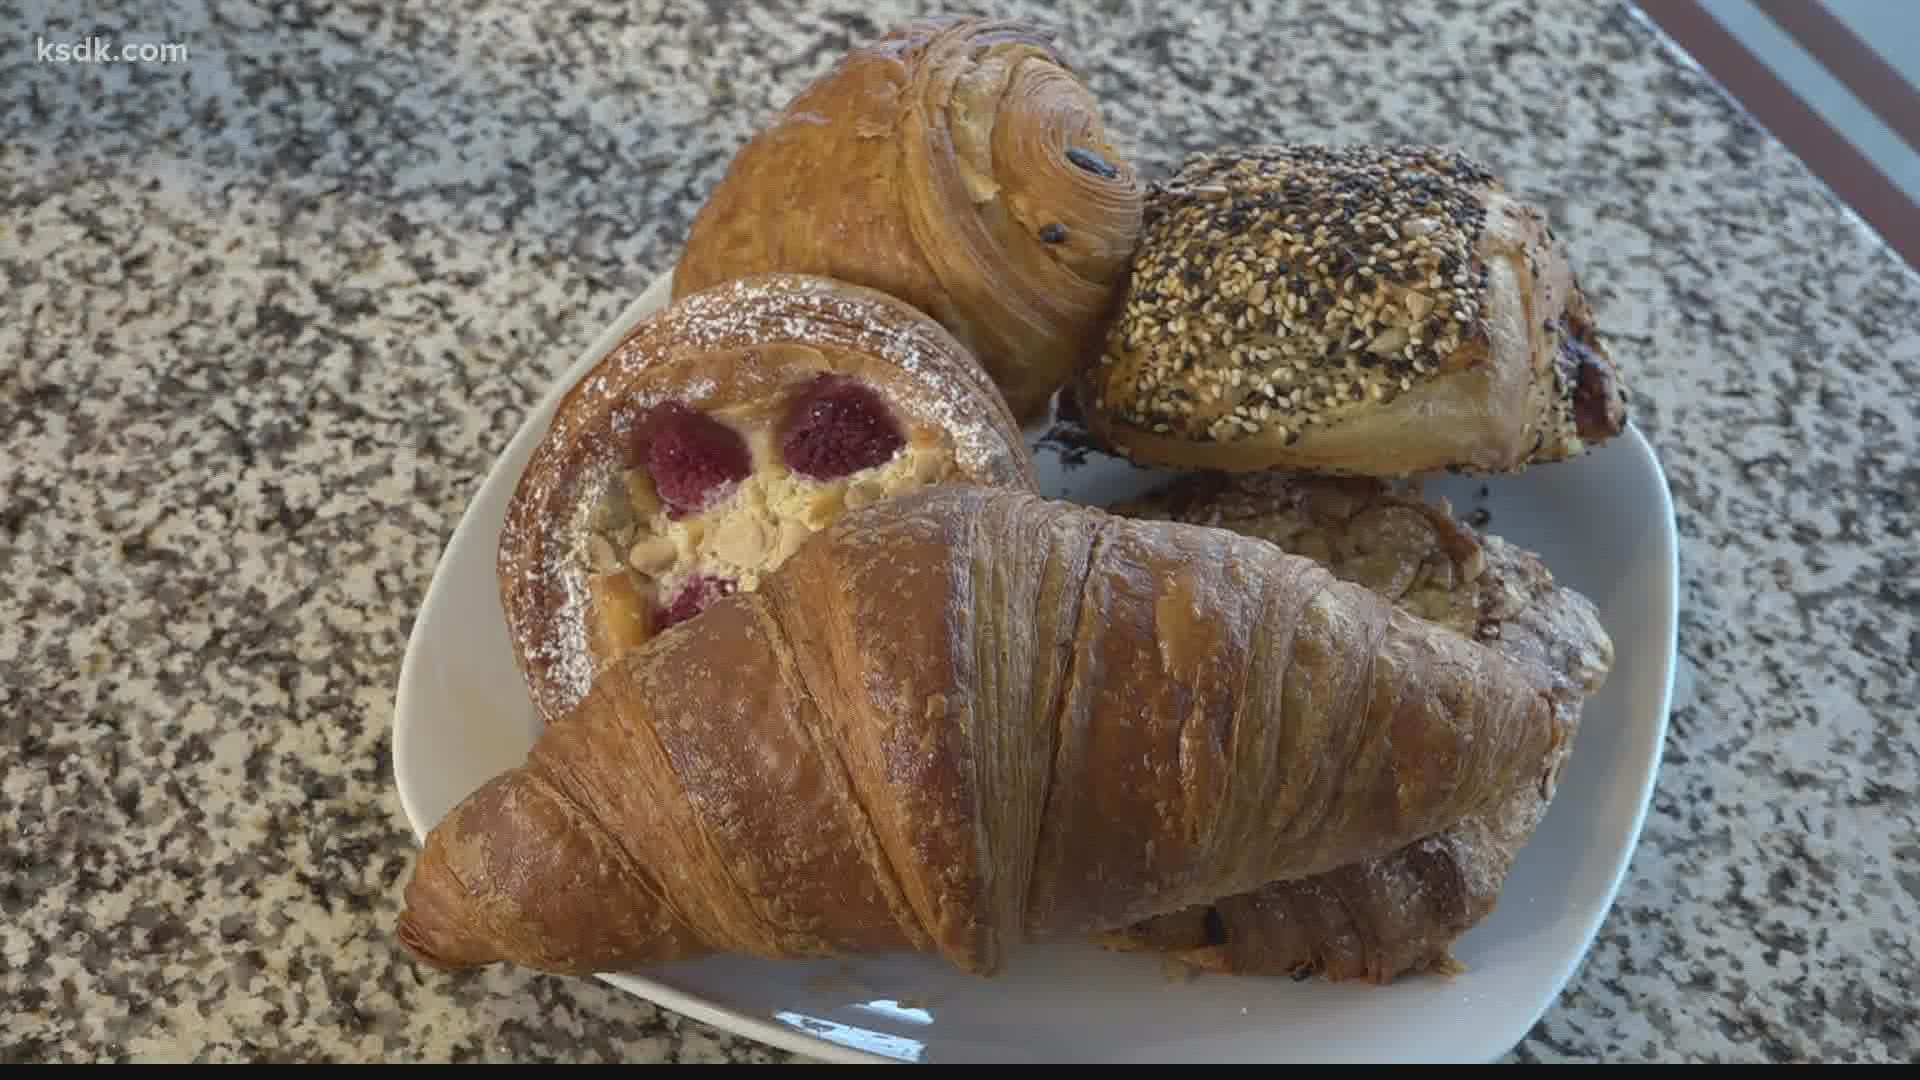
(1377, 920)
(1367, 311)
(957, 163)
(721, 432)
(967, 718)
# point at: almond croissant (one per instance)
(968, 718)
(957, 163)
(1379, 919)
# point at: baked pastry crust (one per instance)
(1376, 311)
(956, 163)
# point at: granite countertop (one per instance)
(273, 310)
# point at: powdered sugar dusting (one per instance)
(563, 647)
(800, 308)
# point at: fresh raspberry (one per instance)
(694, 458)
(694, 597)
(837, 426)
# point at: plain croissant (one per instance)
(968, 718)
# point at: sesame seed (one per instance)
(1261, 262)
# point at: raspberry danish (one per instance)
(723, 431)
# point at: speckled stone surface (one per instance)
(271, 312)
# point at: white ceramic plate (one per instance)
(1603, 523)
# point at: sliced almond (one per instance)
(741, 540)
(601, 556)
(924, 436)
(1385, 572)
(1473, 565)
(792, 535)
(621, 618)
(652, 554)
(863, 493)
(756, 498)
(640, 493)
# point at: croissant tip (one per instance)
(434, 923)
(419, 944)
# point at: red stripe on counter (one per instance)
(1852, 61)
(1831, 157)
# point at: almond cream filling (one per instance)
(641, 557)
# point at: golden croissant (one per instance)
(1377, 920)
(965, 719)
(958, 164)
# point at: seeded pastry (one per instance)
(1362, 311)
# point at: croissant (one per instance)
(721, 432)
(965, 719)
(957, 163)
(1377, 920)
(1363, 310)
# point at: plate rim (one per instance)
(791, 1039)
